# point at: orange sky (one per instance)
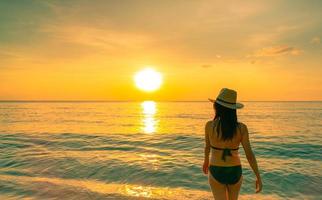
(90, 50)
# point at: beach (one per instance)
(150, 150)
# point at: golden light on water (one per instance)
(148, 80)
(149, 122)
(58, 187)
(138, 191)
(149, 107)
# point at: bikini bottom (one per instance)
(226, 175)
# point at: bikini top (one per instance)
(226, 151)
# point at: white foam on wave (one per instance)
(57, 188)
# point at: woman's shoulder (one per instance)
(243, 127)
(209, 123)
(241, 124)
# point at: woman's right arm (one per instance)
(207, 150)
(251, 157)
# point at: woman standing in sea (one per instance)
(223, 136)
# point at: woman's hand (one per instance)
(205, 166)
(258, 185)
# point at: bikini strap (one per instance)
(226, 152)
(223, 148)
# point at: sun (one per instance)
(148, 80)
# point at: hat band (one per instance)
(225, 101)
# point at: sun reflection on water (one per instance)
(149, 122)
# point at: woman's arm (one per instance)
(206, 151)
(251, 157)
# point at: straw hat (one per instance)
(227, 98)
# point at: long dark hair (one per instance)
(227, 121)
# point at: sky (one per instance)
(90, 50)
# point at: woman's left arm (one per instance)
(207, 151)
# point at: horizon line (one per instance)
(106, 101)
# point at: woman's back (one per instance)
(219, 144)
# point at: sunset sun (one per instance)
(148, 80)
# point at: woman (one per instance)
(223, 136)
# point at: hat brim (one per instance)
(231, 106)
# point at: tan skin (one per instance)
(222, 191)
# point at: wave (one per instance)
(57, 188)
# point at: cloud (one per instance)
(253, 62)
(6, 55)
(315, 40)
(65, 42)
(206, 66)
(276, 51)
(96, 37)
(262, 37)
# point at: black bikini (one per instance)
(226, 175)
(226, 152)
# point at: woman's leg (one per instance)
(218, 190)
(233, 190)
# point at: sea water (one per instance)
(151, 150)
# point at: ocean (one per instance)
(151, 150)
